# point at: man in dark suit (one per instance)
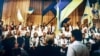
(8, 44)
(95, 48)
(26, 42)
(49, 49)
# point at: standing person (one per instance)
(77, 48)
(63, 45)
(8, 44)
(17, 44)
(49, 49)
(26, 42)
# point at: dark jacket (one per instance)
(48, 51)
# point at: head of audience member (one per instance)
(9, 27)
(85, 30)
(35, 35)
(9, 34)
(17, 33)
(49, 29)
(30, 27)
(20, 23)
(66, 28)
(44, 34)
(4, 28)
(27, 34)
(76, 35)
(50, 39)
(36, 28)
(24, 28)
(97, 36)
(78, 23)
(67, 24)
(63, 36)
(1, 22)
(64, 25)
(12, 23)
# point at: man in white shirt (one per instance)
(63, 41)
(43, 39)
(34, 40)
(23, 31)
(77, 48)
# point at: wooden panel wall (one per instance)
(10, 9)
(36, 17)
(77, 14)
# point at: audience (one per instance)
(36, 40)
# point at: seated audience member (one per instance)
(56, 39)
(63, 44)
(49, 31)
(43, 39)
(35, 29)
(96, 52)
(4, 32)
(95, 49)
(12, 25)
(63, 41)
(20, 26)
(23, 31)
(19, 40)
(26, 42)
(18, 44)
(34, 42)
(84, 40)
(70, 26)
(77, 48)
(67, 33)
(52, 27)
(8, 44)
(63, 27)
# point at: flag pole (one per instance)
(58, 22)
